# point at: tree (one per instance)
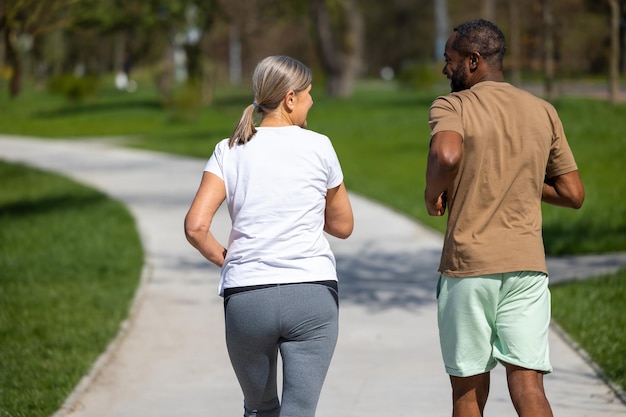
(27, 20)
(151, 30)
(339, 31)
(442, 28)
(514, 42)
(489, 10)
(615, 51)
(548, 48)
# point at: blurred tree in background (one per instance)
(198, 44)
(22, 24)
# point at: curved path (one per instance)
(169, 359)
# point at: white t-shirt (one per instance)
(276, 187)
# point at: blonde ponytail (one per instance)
(245, 130)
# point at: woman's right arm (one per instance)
(338, 217)
(207, 201)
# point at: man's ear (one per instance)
(474, 58)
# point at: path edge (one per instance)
(73, 400)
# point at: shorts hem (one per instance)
(543, 368)
(473, 372)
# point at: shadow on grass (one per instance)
(100, 107)
(26, 208)
(578, 238)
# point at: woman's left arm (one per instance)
(338, 217)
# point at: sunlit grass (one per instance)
(70, 259)
(592, 313)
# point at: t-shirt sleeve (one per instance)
(445, 115)
(215, 163)
(561, 159)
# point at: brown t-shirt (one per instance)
(511, 141)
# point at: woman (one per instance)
(284, 187)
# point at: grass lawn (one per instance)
(581, 310)
(70, 260)
(381, 136)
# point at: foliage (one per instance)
(75, 89)
(591, 312)
(21, 22)
(35, 17)
(420, 76)
(186, 104)
(70, 259)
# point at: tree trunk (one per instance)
(442, 28)
(120, 51)
(339, 35)
(615, 52)
(548, 49)
(13, 60)
(2, 46)
(622, 38)
(234, 55)
(165, 76)
(489, 10)
(515, 43)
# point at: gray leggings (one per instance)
(300, 320)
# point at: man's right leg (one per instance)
(469, 395)
(522, 345)
(527, 392)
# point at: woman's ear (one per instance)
(290, 100)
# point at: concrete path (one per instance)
(170, 358)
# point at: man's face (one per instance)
(456, 67)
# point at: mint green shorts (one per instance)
(494, 318)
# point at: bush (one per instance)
(75, 89)
(420, 75)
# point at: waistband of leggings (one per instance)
(234, 290)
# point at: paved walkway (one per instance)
(170, 358)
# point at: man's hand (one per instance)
(444, 159)
(436, 207)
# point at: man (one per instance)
(496, 152)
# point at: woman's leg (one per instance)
(252, 336)
(310, 328)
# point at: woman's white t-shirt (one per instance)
(276, 188)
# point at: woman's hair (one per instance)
(273, 78)
(482, 36)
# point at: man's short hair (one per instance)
(481, 36)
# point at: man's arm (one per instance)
(444, 158)
(564, 190)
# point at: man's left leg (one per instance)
(527, 392)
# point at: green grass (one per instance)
(70, 259)
(381, 136)
(592, 313)
(595, 130)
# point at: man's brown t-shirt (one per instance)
(511, 141)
